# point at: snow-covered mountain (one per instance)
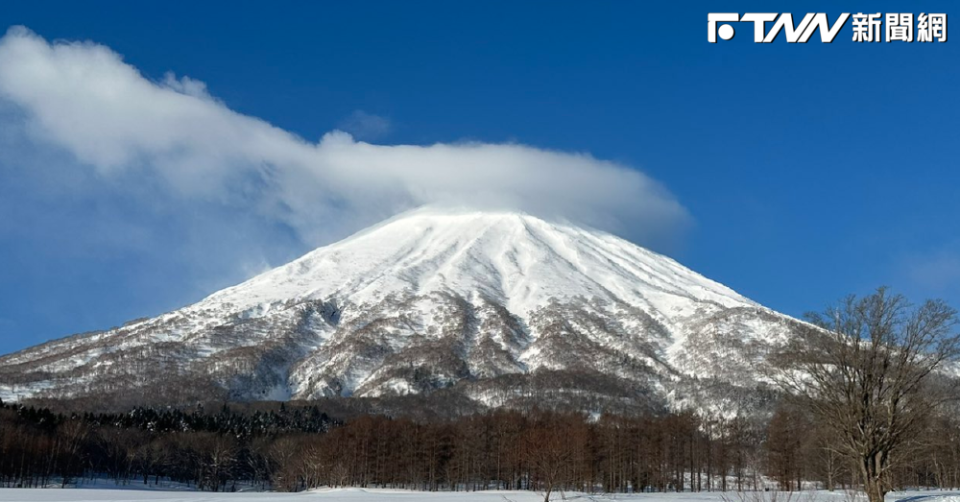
(496, 308)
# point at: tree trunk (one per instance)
(873, 482)
(875, 490)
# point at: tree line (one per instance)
(209, 450)
(294, 448)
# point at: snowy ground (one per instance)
(371, 495)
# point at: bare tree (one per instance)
(871, 373)
(547, 450)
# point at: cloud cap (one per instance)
(82, 99)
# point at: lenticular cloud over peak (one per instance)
(81, 101)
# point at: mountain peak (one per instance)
(509, 257)
(488, 302)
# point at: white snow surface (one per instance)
(379, 495)
(515, 259)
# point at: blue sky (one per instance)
(806, 172)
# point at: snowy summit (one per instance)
(498, 307)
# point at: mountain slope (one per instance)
(495, 306)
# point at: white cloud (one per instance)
(172, 141)
(365, 126)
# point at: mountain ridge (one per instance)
(431, 300)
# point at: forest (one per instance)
(297, 447)
(869, 402)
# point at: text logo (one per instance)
(900, 27)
